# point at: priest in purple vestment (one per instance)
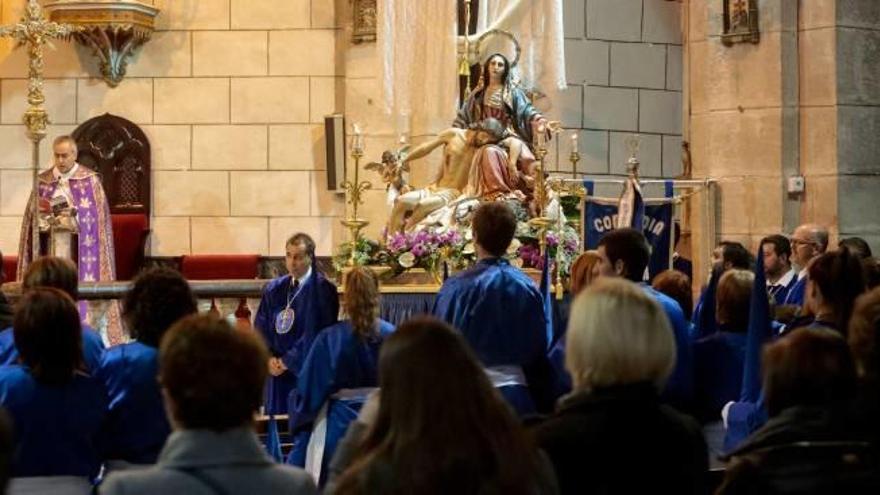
(70, 190)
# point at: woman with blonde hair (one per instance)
(338, 373)
(620, 353)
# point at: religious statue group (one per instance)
(487, 156)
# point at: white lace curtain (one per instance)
(417, 46)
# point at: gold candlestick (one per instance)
(464, 65)
(353, 193)
(541, 221)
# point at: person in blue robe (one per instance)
(625, 253)
(337, 375)
(797, 293)
(719, 357)
(60, 273)
(500, 312)
(726, 255)
(808, 241)
(56, 407)
(293, 308)
(93, 347)
(158, 298)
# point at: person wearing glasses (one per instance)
(807, 242)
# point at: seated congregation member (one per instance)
(676, 285)
(212, 378)
(437, 426)
(781, 277)
(718, 358)
(807, 445)
(158, 298)
(864, 343)
(857, 246)
(59, 273)
(834, 281)
(613, 434)
(625, 254)
(872, 273)
(292, 310)
(6, 448)
(727, 255)
(808, 242)
(339, 372)
(5, 307)
(499, 310)
(584, 270)
(56, 407)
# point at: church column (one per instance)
(857, 75)
(742, 124)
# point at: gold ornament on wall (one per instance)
(740, 22)
(114, 30)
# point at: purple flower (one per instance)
(420, 237)
(419, 250)
(552, 239)
(398, 242)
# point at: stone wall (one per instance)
(857, 74)
(231, 94)
(736, 104)
(804, 101)
(624, 68)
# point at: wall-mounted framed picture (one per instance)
(740, 22)
(364, 15)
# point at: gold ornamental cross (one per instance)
(35, 31)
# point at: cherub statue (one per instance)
(393, 169)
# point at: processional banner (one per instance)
(600, 215)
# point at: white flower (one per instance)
(468, 248)
(514, 246)
(517, 262)
(407, 259)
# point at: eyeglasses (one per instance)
(795, 242)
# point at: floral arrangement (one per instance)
(529, 251)
(428, 250)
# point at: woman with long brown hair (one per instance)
(438, 426)
(338, 373)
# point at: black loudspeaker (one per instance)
(334, 132)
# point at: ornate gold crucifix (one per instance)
(35, 31)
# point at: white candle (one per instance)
(357, 142)
(574, 142)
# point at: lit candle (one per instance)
(574, 142)
(357, 144)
